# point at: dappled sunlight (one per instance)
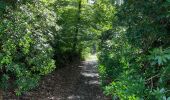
(89, 71)
(91, 58)
(77, 82)
(80, 66)
(73, 97)
(85, 49)
(70, 97)
(52, 98)
(90, 74)
(93, 82)
(86, 86)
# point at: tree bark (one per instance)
(77, 26)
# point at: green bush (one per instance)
(25, 52)
(134, 55)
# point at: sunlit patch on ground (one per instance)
(73, 97)
(91, 58)
(90, 74)
(93, 82)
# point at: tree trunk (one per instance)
(1, 95)
(77, 26)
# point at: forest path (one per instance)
(77, 82)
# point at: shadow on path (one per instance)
(78, 82)
(87, 86)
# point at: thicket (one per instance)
(135, 54)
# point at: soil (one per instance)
(76, 82)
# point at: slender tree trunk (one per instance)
(1, 95)
(77, 26)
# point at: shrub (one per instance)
(25, 51)
(134, 63)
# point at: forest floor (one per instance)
(76, 82)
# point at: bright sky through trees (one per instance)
(91, 1)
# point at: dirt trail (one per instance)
(78, 82)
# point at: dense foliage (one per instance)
(25, 53)
(75, 35)
(38, 35)
(135, 55)
(132, 36)
(66, 40)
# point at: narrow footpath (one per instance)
(78, 82)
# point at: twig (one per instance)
(151, 83)
(152, 77)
